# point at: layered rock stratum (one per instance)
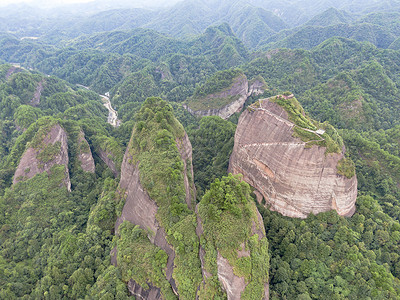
(49, 148)
(295, 177)
(233, 97)
(159, 216)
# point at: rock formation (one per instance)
(238, 93)
(48, 149)
(85, 154)
(294, 176)
(140, 209)
(234, 281)
(157, 184)
(35, 101)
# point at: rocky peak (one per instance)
(156, 176)
(296, 164)
(48, 148)
(234, 235)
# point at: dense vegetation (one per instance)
(343, 66)
(227, 213)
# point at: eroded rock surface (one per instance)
(35, 101)
(240, 89)
(293, 179)
(185, 150)
(106, 157)
(85, 154)
(232, 284)
(32, 161)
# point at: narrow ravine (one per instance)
(112, 113)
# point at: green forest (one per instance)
(66, 231)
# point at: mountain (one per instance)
(312, 153)
(329, 17)
(146, 208)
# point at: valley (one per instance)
(237, 149)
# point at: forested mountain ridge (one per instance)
(58, 242)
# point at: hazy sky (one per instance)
(52, 3)
(45, 2)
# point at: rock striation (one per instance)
(239, 92)
(50, 149)
(294, 178)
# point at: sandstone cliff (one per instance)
(289, 164)
(236, 96)
(85, 154)
(48, 148)
(110, 152)
(156, 179)
(228, 101)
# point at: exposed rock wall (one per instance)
(293, 179)
(35, 101)
(30, 164)
(85, 154)
(185, 151)
(232, 284)
(140, 209)
(240, 88)
(106, 156)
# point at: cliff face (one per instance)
(294, 178)
(142, 173)
(239, 92)
(51, 149)
(85, 154)
(106, 157)
(185, 151)
(140, 209)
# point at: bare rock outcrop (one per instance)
(239, 92)
(140, 209)
(35, 101)
(185, 151)
(51, 149)
(294, 178)
(85, 154)
(107, 158)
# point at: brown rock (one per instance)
(293, 179)
(239, 88)
(35, 101)
(153, 293)
(30, 164)
(232, 284)
(140, 209)
(85, 154)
